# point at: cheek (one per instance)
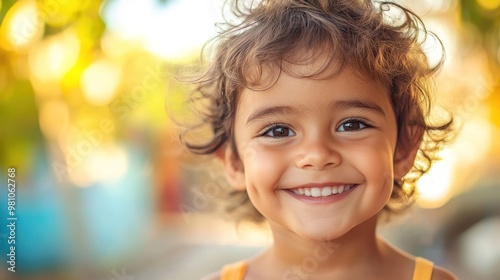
(262, 166)
(375, 161)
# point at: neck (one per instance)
(356, 248)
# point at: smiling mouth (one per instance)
(323, 191)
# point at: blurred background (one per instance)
(104, 190)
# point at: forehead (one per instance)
(306, 96)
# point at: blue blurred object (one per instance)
(116, 216)
(42, 232)
(63, 226)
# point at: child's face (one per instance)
(321, 136)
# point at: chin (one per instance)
(322, 234)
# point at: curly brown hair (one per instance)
(271, 34)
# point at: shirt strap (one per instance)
(235, 271)
(423, 269)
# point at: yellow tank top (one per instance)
(236, 271)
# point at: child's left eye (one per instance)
(352, 125)
(278, 131)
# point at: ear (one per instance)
(233, 166)
(406, 150)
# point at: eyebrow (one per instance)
(264, 112)
(361, 104)
(337, 105)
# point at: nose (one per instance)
(317, 154)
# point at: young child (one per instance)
(319, 113)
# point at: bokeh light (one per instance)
(54, 116)
(489, 4)
(22, 26)
(153, 17)
(434, 188)
(54, 57)
(108, 164)
(100, 82)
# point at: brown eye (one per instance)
(279, 131)
(352, 125)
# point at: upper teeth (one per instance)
(324, 191)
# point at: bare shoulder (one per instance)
(440, 273)
(212, 276)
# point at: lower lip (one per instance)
(322, 199)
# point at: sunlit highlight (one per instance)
(432, 46)
(114, 46)
(55, 57)
(186, 36)
(434, 187)
(22, 26)
(476, 133)
(165, 31)
(104, 164)
(107, 164)
(439, 6)
(100, 82)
